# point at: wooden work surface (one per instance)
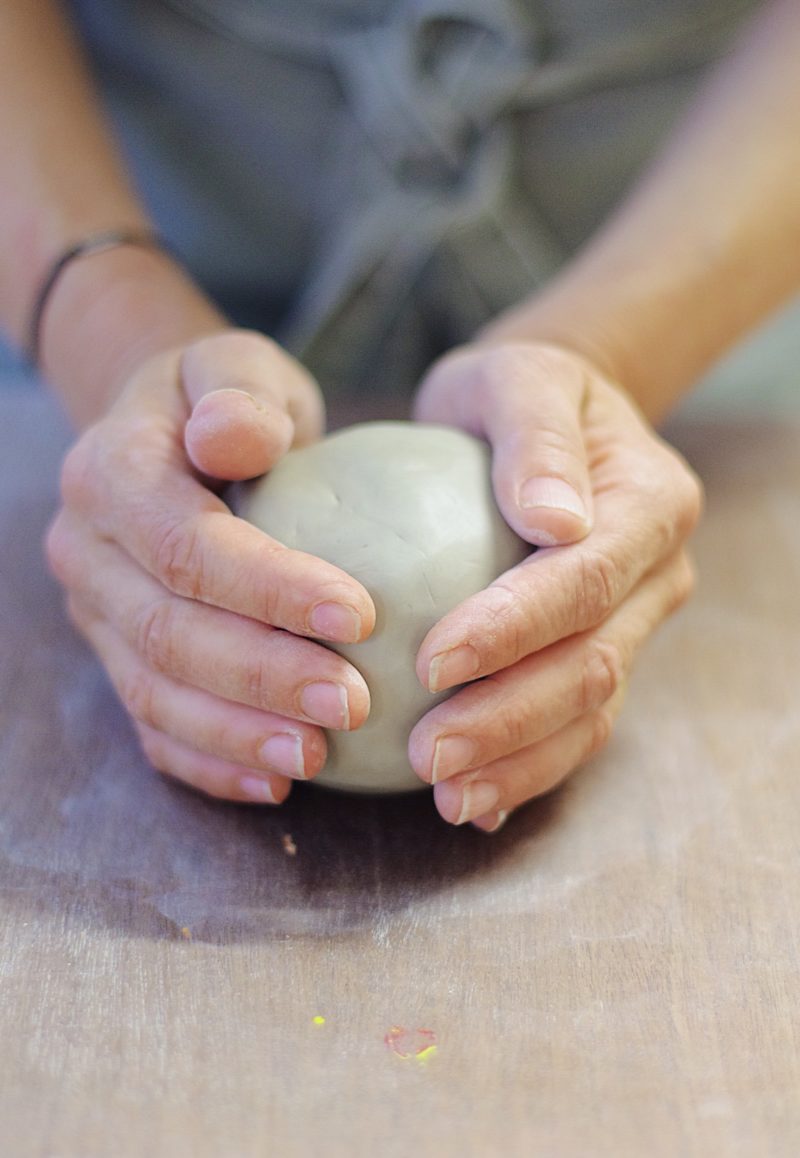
(615, 973)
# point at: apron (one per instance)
(372, 180)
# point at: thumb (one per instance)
(540, 471)
(250, 402)
(526, 400)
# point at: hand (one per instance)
(196, 614)
(545, 651)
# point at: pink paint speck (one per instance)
(409, 1043)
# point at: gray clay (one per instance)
(407, 509)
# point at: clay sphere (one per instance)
(408, 510)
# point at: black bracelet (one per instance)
(95, 243)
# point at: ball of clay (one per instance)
(407, 509)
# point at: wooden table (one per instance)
(615, 973)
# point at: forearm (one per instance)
(707, 243)
(62, 180)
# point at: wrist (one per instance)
(111, 310)
(622, 345)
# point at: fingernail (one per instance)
(554, 494)
(452, 667)
(336, 621)
(451, 754)
(258, 790)
(478, 798)
(460, 802)
(492, 821)
(326, 703)
(284, 753)
(259, 405)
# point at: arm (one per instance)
(705, 246)
(183, 603)
(562, 387)
(64, 180)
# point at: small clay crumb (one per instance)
(289, 847)
(186, 933)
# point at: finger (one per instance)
(560, 592)
(542, 693)
(222, 653)
(527, 401)
(489, 794)
(209, 774)
(190, 542)
(250, 402)
(217, 727)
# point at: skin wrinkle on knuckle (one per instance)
(156, 632)
(178, 557)
(511, 730)
(137, 690)
(271, 611)
(505, 631)
(259, 683)
(596, 589)
(603, 672)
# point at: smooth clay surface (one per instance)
(408, 510)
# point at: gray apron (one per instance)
(376, 179)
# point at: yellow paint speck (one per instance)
(425, 1055)
(318, 1020)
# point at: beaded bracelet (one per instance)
(95, 243)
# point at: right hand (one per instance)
(197, 615)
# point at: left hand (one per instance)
(546, 649)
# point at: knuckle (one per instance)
(511, 732)
(507, 363)
(154, 750)
(178, 557)
(137, 690)
(506, 622)
(685, 582)
(597, 587)
(155, 634)
(603, 674)
(57, 551)
(602, 727)
(276, 611)
(260, 684)
(78, 479)
(692, 501)
(233, 343)
(519, 362)
(687, 493)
